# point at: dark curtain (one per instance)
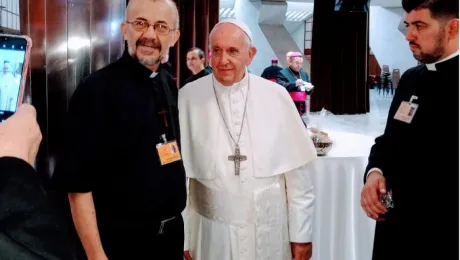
(339, 59)
(71, 39)
(197, 18)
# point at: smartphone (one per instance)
(14, 61)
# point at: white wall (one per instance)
(386, 41)
(248, 12)
(299, 37)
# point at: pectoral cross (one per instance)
(164, 112)
(237, 159)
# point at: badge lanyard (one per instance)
(407, 110)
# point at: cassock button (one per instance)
(241, 226)
(242, 251)
(243, 238)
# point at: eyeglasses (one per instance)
(159, 28)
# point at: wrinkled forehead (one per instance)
(152, 11)
(297, 59)
(228, 35)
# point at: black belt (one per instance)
(126, 224)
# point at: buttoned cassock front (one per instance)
(256, 214)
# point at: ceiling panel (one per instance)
(385, 3)
(226, 4)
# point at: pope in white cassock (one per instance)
(245, 152)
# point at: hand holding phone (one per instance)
(14, 60)
(20, 135)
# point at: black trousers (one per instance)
(146, 243)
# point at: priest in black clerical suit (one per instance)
(413, 166)
(271, 72)
(195, 63)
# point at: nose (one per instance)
(410, 35)
(224, 58)
(150, 33)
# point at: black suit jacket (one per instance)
(32, 223)
(286, 79)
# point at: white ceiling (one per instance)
(385, 3)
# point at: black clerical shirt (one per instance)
(204, 72)
(114, 123)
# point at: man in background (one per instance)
(295, 79)
(411, 184)
(271, 72)
(195, 63)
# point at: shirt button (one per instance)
(242, 251)
(243, 238)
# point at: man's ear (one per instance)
(176, 38)
(452, 28)
(123, 29)
(252, 53)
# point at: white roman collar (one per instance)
(432, 67)
(241, 85)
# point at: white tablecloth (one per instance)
(341, 229)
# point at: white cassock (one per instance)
(257, 214)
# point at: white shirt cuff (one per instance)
(373, 170)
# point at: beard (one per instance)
(147, 60)
(436, 54)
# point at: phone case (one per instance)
(25, 67)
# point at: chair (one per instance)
(301, 98)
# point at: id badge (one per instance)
(168, 152)
(406, 112)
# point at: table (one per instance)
(341, 229)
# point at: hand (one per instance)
(301, 251)
(371, 195)
(298, 82)
(187, 255)
(20, 135)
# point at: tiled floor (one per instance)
(371, 124)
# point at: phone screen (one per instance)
(12, 59)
